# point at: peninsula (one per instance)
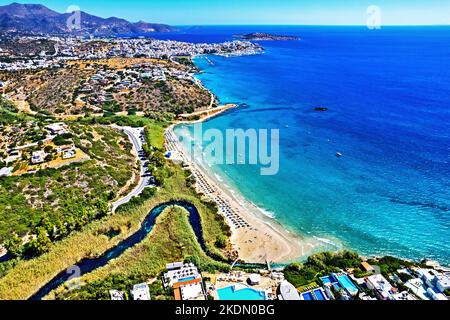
(258, 36)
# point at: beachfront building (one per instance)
(189, 290)
(418, 287)
(288, 292)
(427, 276)
(381, 286)
(365, 266)
(435, 280)
(141, 292)
(442, 282)
(186, 281)
(436, 295)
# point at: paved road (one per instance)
(146, 180)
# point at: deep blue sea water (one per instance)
(388, 94)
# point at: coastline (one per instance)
(256, 237)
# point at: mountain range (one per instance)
(38, 19)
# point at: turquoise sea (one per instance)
(388, 96)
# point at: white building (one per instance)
(180, 272)
(288, 292)
(442, 282)
(405, 295)
(186, 281)
(418, 287)
(57, 128)
(13, 156)
(141, 292)
(116, 295)
(279, 276)
(5, 172)
(189, 290)
(436, 295)
(38, 157)
(69, 154)
(254, 279)
(427, 276)
(382, 287)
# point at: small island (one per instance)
(267, 37)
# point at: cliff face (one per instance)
(35, 18)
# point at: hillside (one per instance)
(38, 19)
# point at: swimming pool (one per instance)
(319, 294)
(308, 296)
(186, 279)
(240, 294)
(346, 283)
(327, 280)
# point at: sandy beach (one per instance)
(255, 236)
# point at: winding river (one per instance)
(90, 264)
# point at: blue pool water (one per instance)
(347, 284)
(186, 279)
(326, 280)
(319, 295)
(388, 97)
(247, 294)
(308, 296)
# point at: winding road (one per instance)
(136, 136)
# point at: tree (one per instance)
(48, 149)
(48, 226)
(102, 208)
(221, 242)
(40, 245)
(14, 246)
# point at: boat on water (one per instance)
(339, 155)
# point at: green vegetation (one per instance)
(7, 265)
(70, 90)
(154, 126)
(319, 265)
(99, 290)
(135, 202)
(171, 240)
(389, 265)
(56, 202)
(8, 113)
(404, 276)
(174, 236)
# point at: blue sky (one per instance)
(315, 12)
